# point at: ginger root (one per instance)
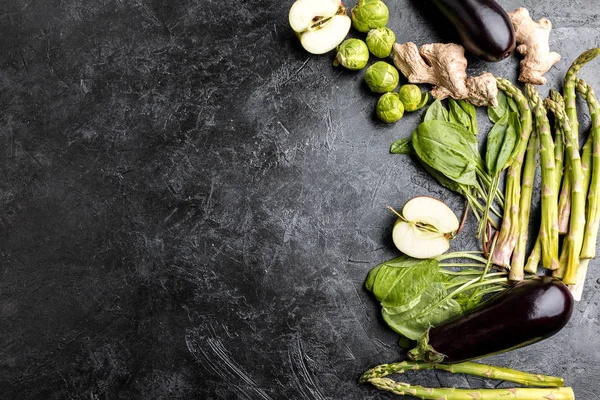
(533, 38)
(444, 66)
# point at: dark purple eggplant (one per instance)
(529, 311)
(483, 26)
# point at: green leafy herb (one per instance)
(463, 113)
(496, 113)
(448, 148)
(436, 111)
(402, 146)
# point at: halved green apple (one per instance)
(321, 25)
(425, 228)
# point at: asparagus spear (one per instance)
(471, 368)
(536, 253)
(528, 176)
(404, 389)
(571, 111)
(593, 205)
(574, 239)
(549, 227)
(510, 223)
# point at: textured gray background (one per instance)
(189, 204)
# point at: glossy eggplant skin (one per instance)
(524, 314)
(483, 26)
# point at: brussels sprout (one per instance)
(352, 54)
(380, 41)
(412, 98)
(389, 108)
(369, 14)
(382, 77)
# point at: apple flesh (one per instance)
(431, 211)
(425, 229)
(321, 25)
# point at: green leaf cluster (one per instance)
(413, 295)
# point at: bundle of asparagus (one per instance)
(570, 183)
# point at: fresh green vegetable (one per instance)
(463, 113)
(436, 111)
(404, 389)
(470, 368)
(501, 141)
(593, 200)
(450, 149)
(389, 108)
(412, 98)
(416, 294)
(369, 14)
(574, 239)
(549, 225)
(402, 146)
(528, 177)
(382, 77)
(352, 54)
(510, 224)
(380, 41)
(495, 113)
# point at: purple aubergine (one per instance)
(483, 26)
(529, 311)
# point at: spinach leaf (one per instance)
(495, 113)
(436, 111)
(402, 146)
(397, 284)
(431, 310)
(448, 148)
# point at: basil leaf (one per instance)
(458, 115)
(431, 310)
(472, 112)
(512, 104)
(495, 113)
(449, 149)
(495, 139)
(444, 180)
(402, 146)
(510, 141)
(436, 111)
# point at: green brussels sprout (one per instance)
(412, 98)
(382, 77)
(352, 54)
(389, 108)
(369, 14)
(380, 41)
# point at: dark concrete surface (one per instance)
(189, 205)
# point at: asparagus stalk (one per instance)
(549, 227)
(471, 368)
(564, 203)
(536, 253)
(510, 223)
(528, 177)
(571, 111)
(593, 205)
(404, 389)
(574, 239)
